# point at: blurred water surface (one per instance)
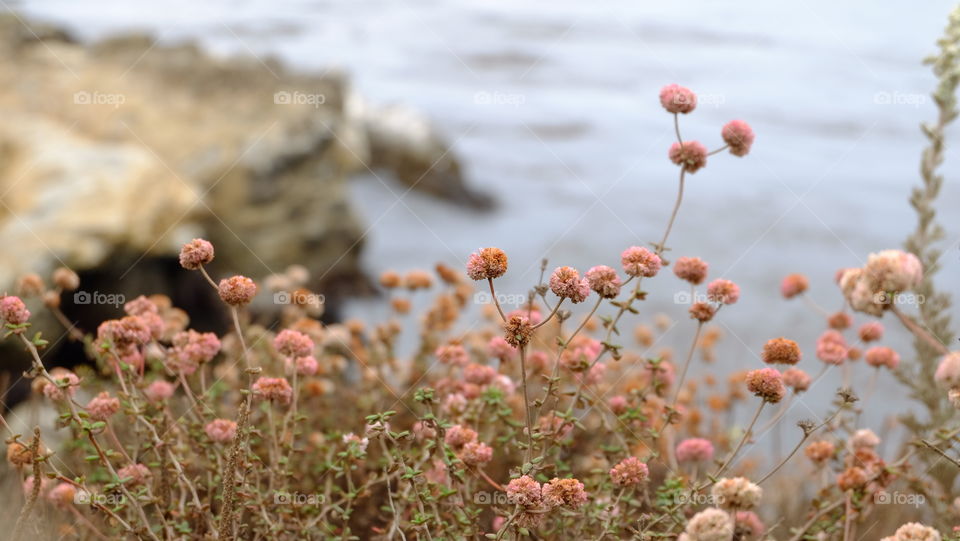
(553, 107)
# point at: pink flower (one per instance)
(580, 353)
(475, 453)
(524, 491)
(604, 281)
(139, 306)
(723, 291)
(691, 269)
(499, 348)
(458, 436)
(62, 495)
(871, 332)
(691, 155)
(517, 331)
(221, 430)
(293, 343)
(630, 471)
(102, 406)
(136, 473)
(64, 385)
(13, 311)
(453, 354)
(534, 316)
(565, 282)
(125, 332)
(793, 285)
(638, 261)
(273, 389)
(948, 371)
(66, 279)
(832, 348)
(306, 366)
(677, 99)
(159, 390)
(766, 383)
(618, 404)
(840, 321)
(796, 379)
(695, 450)
(750, 524)
(237, 290)
(486, 264)
(702, 311)
(564, 492)
(196, 253)
(882, 356)
(190, 350)
(738, 135)
(781, 351)
(479, 374)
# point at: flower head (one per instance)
(273, 389)
(691, 155)
(486, 264)
(702, 311)
(475, 453)
(66, 279)
(517, 331)
(13, 311)
(914, 531)
(221, 430)
(454, 354)
(793, 285)
(102, 406)
(630, 471)
(711, 524)
(136, 474)
(723, 291)
(781, 351)
(64, 385)
(882, 356)
(832, 347)
(695, 450)
(738, 135)
(293, 343)
(458, 436)
(196, 253)
(677, 99)
(796, 379)
(159, 390)
(736, 493)
(237, 290)
(766, 383)
(638, 261)
(691, 269)
(565, 282)
(604, 281)
(564, 492)
(820, 451)
(524, 491)
(948, 371)
(871, 332)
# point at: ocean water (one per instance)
(552, 106)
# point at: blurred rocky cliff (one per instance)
(131, 147)
(113, 154)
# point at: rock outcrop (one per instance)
(122, 150)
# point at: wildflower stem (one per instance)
(686, 364)
(549, 317)
(496, 301)
(719, 150)
(918, 331)
(526, 402)
(746, 435)
(35, 490)
(676, 127)
(673, 216)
